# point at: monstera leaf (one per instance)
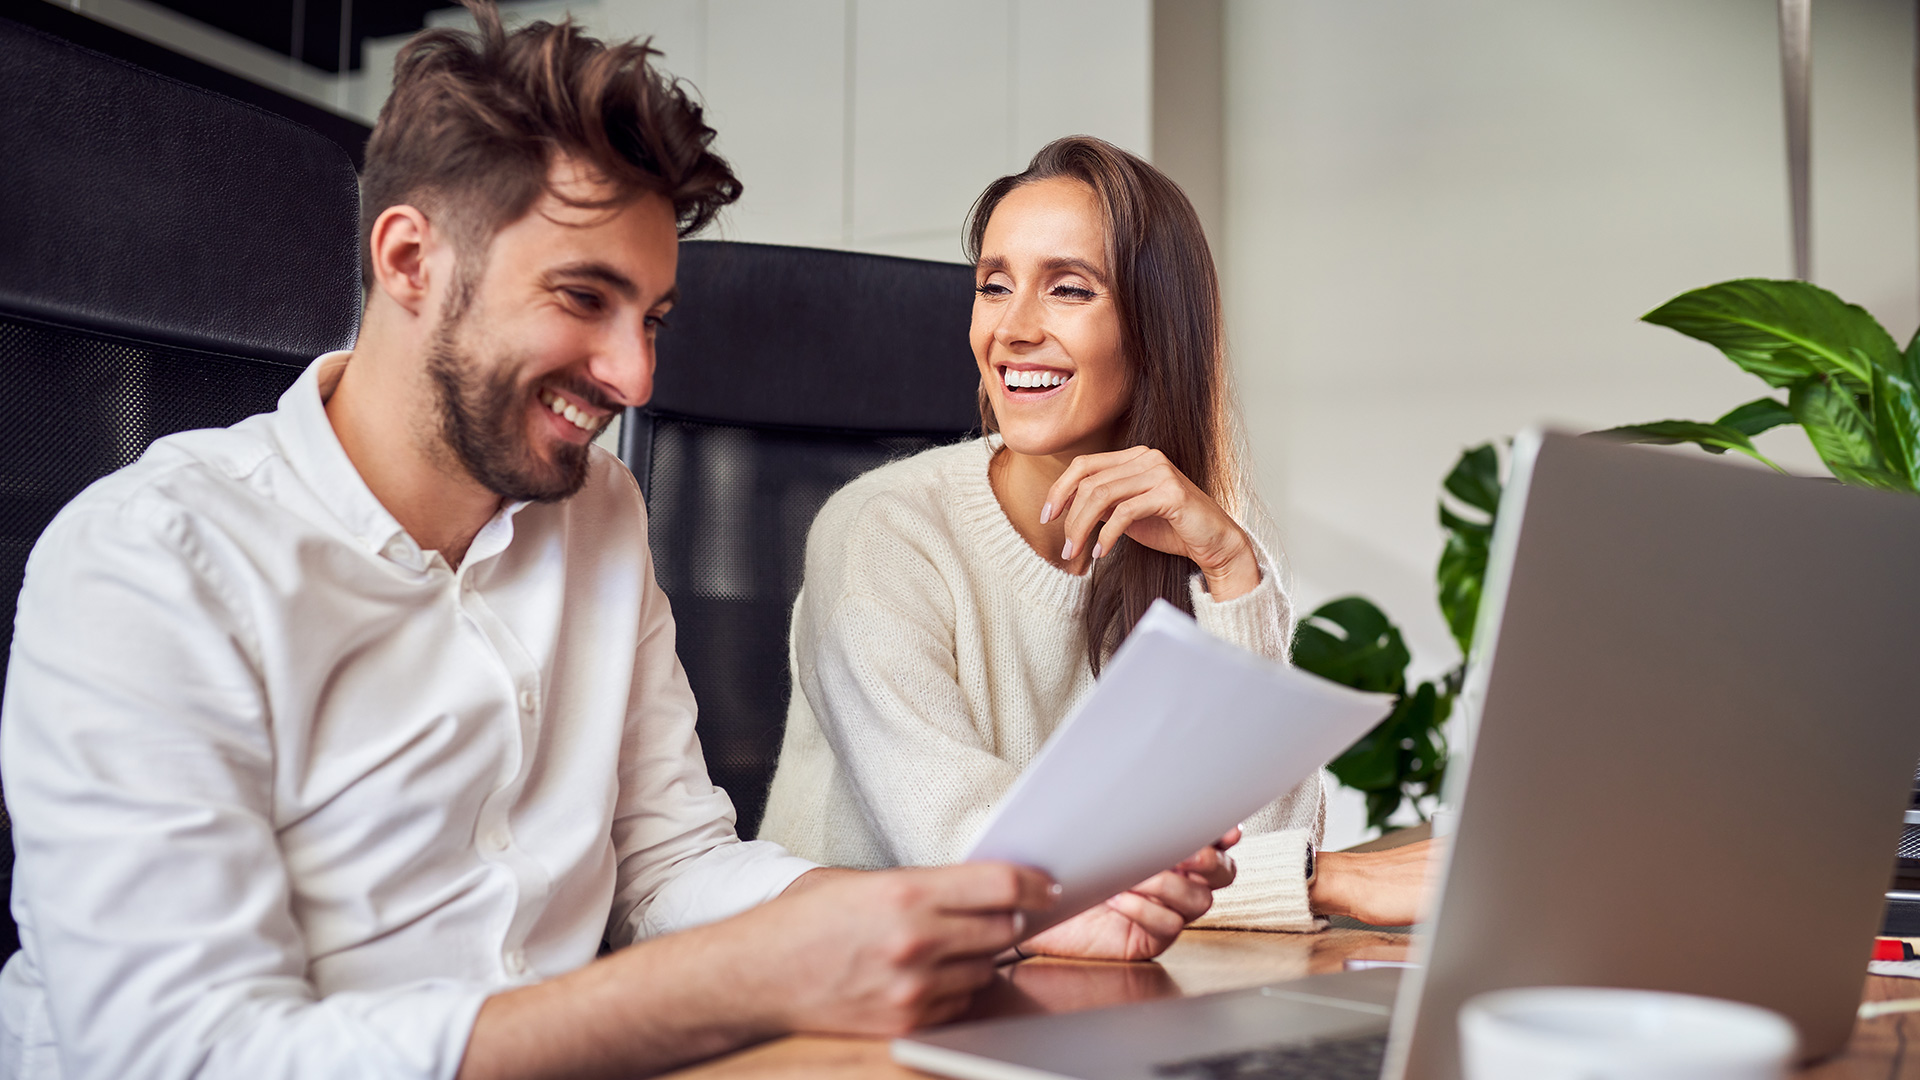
(1352, 642)
(1475, 484)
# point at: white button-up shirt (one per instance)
(291, 796)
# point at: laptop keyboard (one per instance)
(1328, 1059)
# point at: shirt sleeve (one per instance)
(680, 862)
(150, 888)
(1270, 891)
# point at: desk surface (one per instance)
(1204, 961)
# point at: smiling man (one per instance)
(337, 742)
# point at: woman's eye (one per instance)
(1073, 292)
(992, 288)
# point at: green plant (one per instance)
(1849, 387)
(1351, 641)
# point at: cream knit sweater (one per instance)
(933, 652)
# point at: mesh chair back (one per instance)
(785, 373)
(169, 259)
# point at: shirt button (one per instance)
(498, 840)
(526, 701)
(516, 962)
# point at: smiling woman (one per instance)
(958, 603)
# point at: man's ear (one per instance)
(398, 247)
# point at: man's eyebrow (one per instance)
(597, 271)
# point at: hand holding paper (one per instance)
(1184, 736)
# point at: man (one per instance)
(337, 741)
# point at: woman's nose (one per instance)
(1023, 321)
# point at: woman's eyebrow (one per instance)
(1077, 265)
(998, 264)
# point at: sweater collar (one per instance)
(986, 527)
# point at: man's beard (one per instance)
(483, 420)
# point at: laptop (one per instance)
(1689, 725)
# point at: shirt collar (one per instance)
(307, 438)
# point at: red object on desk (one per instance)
(1887, 948)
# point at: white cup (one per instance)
(1592, 1033)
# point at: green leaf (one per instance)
(1896, 416)
(1761, 414)
(1714, 438)
(1841, 431)
(1475, 482)
(1475, 479)
(1351, 642)
(1782, 331)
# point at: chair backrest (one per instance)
(785, 373)
(169, 259)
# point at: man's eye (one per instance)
(583, 299)
(656, 323)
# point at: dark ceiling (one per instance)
(274, 24)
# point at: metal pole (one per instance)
(1796, 69)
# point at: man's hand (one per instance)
(1142, 922)
(1382, 888)
(872, 954)
(886, 952)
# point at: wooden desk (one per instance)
(1204, 961)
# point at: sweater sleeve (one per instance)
(1270, 892)
(883, 681)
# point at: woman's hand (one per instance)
(1140, 923)
(1381, 888)
(1139, 494)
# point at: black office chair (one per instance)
(169, 259)
(784, 373)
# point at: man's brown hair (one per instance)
(476, 119)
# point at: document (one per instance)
(1182, 738)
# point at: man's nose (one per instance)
(625, 368)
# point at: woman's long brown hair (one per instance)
(1168, 299)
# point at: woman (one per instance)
(958, 603)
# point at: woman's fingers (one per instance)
(1155, 502)
(1210, 866)
(1160, 922)
(1096, 496)
(1177, 893)
(1060, 495)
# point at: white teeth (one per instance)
(573, 413)
(1030, 379)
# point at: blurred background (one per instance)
(1435, 223)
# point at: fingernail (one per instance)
(1019, 924)
(1067, 552)
(1046, 513)
(1097, 549)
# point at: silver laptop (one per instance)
(1690, 731)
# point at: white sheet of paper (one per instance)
(1182, 738)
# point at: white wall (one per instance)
(872, 124)
(1444, 220)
